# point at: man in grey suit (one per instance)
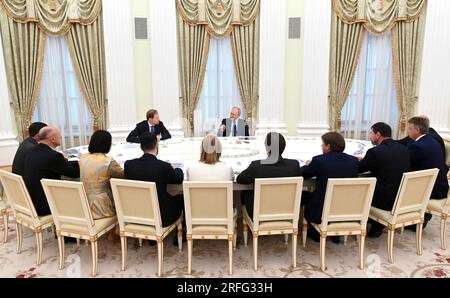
(25, 147)
(233, 126)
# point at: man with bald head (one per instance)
(44, 162)
(233, 126)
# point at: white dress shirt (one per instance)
(233, 122)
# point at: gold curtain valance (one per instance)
(219, 16)
(53, 16)
(378, 16)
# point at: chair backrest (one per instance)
(348, 200)
(277, 199)
(209, 204)
(447, 151)
(136, 203)
(414, 192)
(18, 196)
(68, 203)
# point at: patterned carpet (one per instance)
(210, 258)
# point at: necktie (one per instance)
(152, 129)
(234, 129)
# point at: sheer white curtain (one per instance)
(372, 97)
(220, 90)
(60, 101)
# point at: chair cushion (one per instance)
(99, 225)
(438, 205)
(344, 226)
(275, 225)
(140, 229)
(387, 216)
(29, 220)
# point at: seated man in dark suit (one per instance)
(233, 126)
(149, 168)
(387, 162)
(433, 133)
(333, 163)
(25, 147)
(152, 125)
(275, 166)
(425, 153)
(44, 162)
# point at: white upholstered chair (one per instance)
(345, 212)
(409, 208)
(447, 151)
(139, 216)
(441, 208)
(4, 213)
(276, 211)
(24, 211)
(210, 215)
(73, 218)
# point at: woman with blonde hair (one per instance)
(209, 167)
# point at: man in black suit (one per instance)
(333, 163)
(151, 125)
(25, 147)
(431, 131)
(149, 168)
(425, 153)
(43, 162)
(275, 166)
(233, 126)
(387, 162)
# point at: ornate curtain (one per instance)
(200, 19)
(406, 19)
(24, 24)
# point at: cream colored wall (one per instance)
(142, 62)
(293, 68)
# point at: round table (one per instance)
(237, 152)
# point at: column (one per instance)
(434, 97)
(314, 101)
(8, 139)
(118, 34)
(272, 66)
(163, 38)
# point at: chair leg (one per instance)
(294, 250)
(61, 252)
(94, 249)
(123, 244)
(443, 240)
(78, 242)
(19, 237)
(391, 233)
(255, 252)
(5, 226)
(402, 230)
(230, 257)
(304, 232)
(362, 240)
(345, 240)
(140, 242)
(39, 247)
(235, 239)
(180, 237)
(419, 230)
(189, 255)
(245, 232)
(160, 257)
(323, 241)
(286, 239)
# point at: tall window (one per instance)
(220, 90)
(372, 97)
(60, 102)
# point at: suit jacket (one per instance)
(22, 152)
(426, 154)
(259, 169)
(323, 167)
(406, 141)
(387, 162)
(45, 163)
(143, 126)
(241, 128)
(149, 168)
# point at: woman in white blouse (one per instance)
(209, 167)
